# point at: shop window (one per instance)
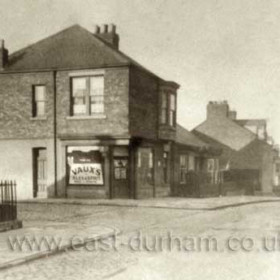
(139, 159)
(213, 170)
(210, 165)
(198, 164)
(85, 166)
(39, 101)
(191, 163)
(145, 164)
(120, 168)
(183, 168)
(165, 166)
(151, 166)
(87, 95)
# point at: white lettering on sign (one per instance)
(88, 173)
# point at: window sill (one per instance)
(91, 117)
(43, 118)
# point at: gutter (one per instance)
(55, 131)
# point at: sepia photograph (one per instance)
(139, 139)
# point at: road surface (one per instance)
(234, 243)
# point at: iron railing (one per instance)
(8, 201)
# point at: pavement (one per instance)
(39, 239)
(211, 203)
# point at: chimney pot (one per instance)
(104, 28)
(96, 29)
(112, 28)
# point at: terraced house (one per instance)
(81, 119)
(246, 147)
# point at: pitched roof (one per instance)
(185, 137)
(227, 132)
(71, 48)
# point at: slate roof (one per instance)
(227, 132)
(71, 48)
(185, 137)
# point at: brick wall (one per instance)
(143, 104)
(16, 106)
(115, 101)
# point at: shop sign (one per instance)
(85, 168)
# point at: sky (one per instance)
(215, 49)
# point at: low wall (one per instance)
(227, 183)
(9, 225)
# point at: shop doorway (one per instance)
(120, 179)
(40, 172)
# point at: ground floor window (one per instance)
(165, 166)
(213, 170)
(145, 164)
(151, 166)
(85, 166)
(183, 168)
(191, 163)
(120, 168)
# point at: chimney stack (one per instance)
(108, 34)
(232, 115)
(4, 55)
(217, 109)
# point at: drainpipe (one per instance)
(55, 132)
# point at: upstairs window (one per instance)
(172, 110)
(39, 101)
(79, 86)
(168, 108)
(87, 95)
(164, 108)
(97, 94)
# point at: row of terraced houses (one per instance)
(79, 118)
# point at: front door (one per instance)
(40, 173)
(120, 177)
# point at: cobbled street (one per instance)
(243, 260)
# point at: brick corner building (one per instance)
(81, 119)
